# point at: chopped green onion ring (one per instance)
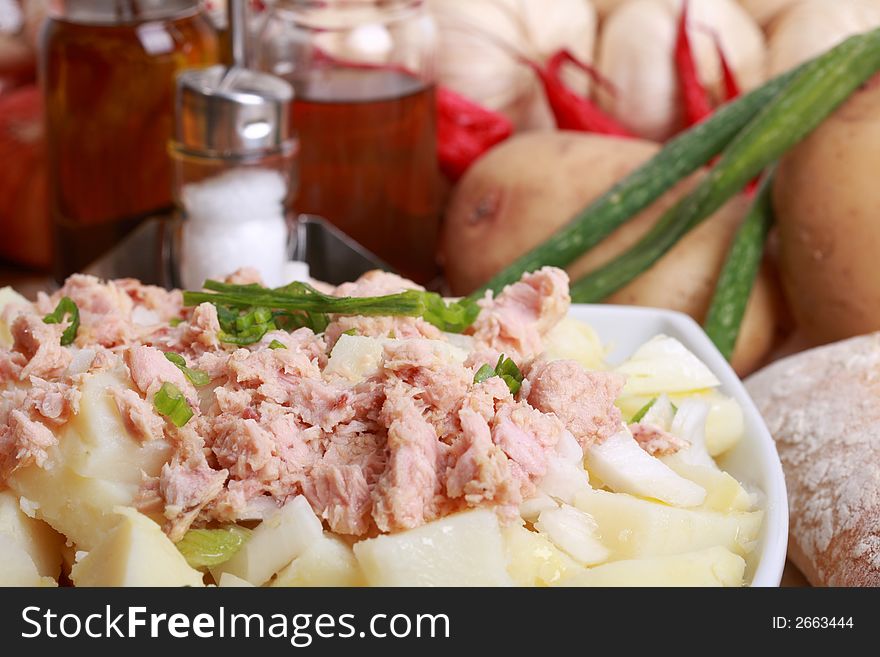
(64, 308)
(642, 412)
(204, 548)
(506, 370)
(196, 377)
(171, 403)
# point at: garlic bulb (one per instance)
(813, 26)
(479, 41)
(636, 53)
(549, 27)
(764, 11)
(605, 7)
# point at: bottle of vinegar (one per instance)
(365, 111)
(108, 71)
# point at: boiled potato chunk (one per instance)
(275, 542)
(355, 357)
(16, 566)
(135, 553)
(723, 492)
(624, 467)
(577, 341)
(574, 532)
(230, 581)
(725, 425)
(631, 527)
(35, 537)
(464, 549)
(96, 466)
(710, 567)
(533, 560)
(328, 562)
(664, 364)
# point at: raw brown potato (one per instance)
(827, 200)
(520, 193)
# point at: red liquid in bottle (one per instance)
(369, 162)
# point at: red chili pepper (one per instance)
(731, 84)
(572, 111)
(696, 99)
(465, 130)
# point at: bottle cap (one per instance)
(232, 111)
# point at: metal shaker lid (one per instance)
(232, 111)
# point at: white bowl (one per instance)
(753, 460)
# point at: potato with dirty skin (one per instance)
(826, 198)
(523, 191)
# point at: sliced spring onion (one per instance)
(196, 377)
(816, 91)
(351, 331)
(728, 307)
(485, 372)
(64, 308)
(171, 403)
(509, 373)
(642, 412)
(210, 547)
(303, 305)
(506, 370)
(276, 344)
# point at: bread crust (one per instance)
(823, 409)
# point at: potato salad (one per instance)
(369, 434)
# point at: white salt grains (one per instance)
(234, 220)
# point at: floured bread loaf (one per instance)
(823, 409)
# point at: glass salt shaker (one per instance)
(234, 160)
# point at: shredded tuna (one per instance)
(527, 437)
(438, 382)
(339, 486)
(481, 472)
(139, 415)
(150, 369)
(187, 486)
(244, 276)
(409, 493)
(382, 327)
(415, 440)
(11, 365)
(583, 400)
(517, 319)
(655, 440)
(341, 494)
(54, 401)
(376, 283)
(104, 310)
(246, 450)
(40, 343)
(201, 332)
(165, 304)
(148, 499)
(23, 442)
